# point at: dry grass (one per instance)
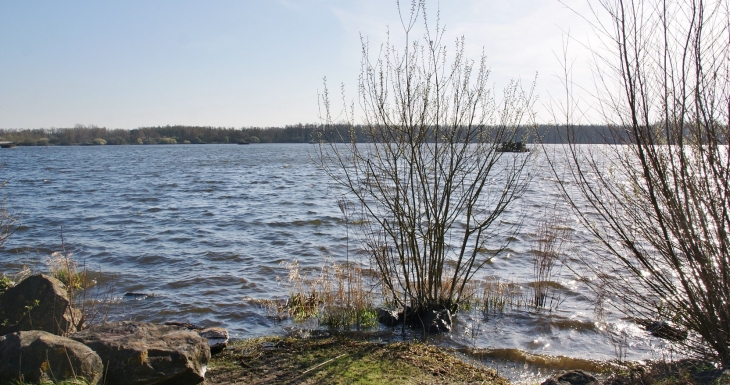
(498, 296)
(94, 302)
(337, 295)
(63, 267)
(552, 236)
(9, 280)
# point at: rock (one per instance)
(436, 321)
(136, 296)
(389, 317)
(150, 354)
(431, 321)
(666, 331)
(38, 302)
(40, 356)
(571, 377)
(217, 338)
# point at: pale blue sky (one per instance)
(125, 64)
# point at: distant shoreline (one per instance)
(301, 133)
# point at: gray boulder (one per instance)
(39, 302)
(571, 377)
(37, 356)
(136, 353)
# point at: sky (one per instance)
(245, 63)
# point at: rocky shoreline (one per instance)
(42, 340)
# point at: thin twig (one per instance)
(322, 364)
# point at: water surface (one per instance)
(206, 228)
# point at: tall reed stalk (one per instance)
(551, 238)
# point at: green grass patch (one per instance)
(5, 283)
(337, 360)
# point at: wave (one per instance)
(539, 360)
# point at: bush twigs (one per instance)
(657, 204)
(426, 167)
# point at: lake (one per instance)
(206, 229)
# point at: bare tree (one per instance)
(431, 180)
(659, 204)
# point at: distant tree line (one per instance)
(90, 135)
(298, 133)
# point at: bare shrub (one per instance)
(658, 203)
(425, 167)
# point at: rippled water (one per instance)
(205, 229)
